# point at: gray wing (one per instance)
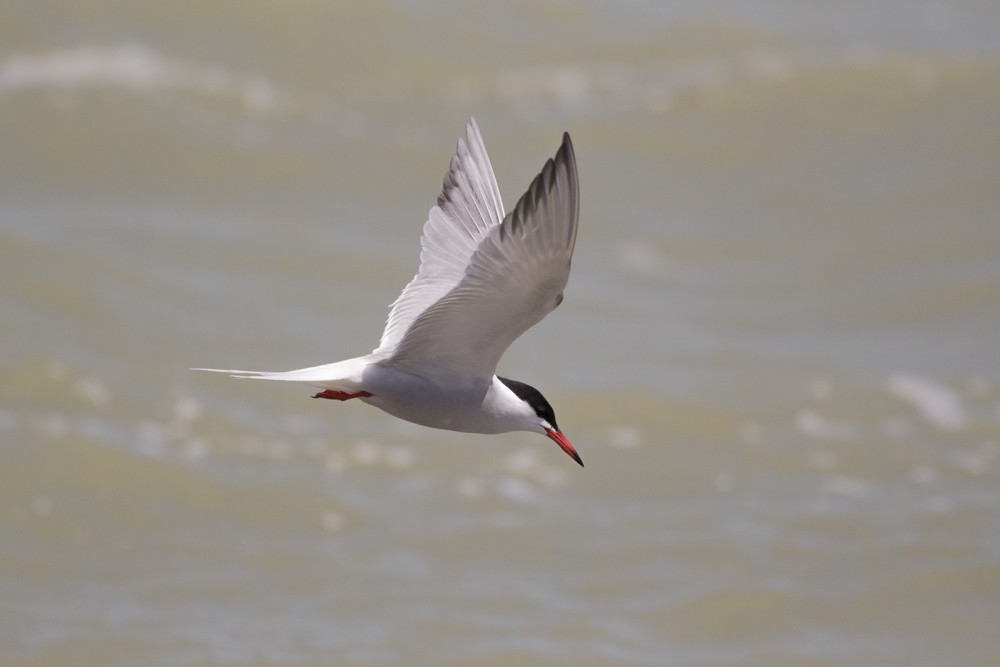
(468, 207)
(513, 279)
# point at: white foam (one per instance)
(131, 67)
(625, 437)
(516, 489)
(640, 258)
(528, 463)
(769, 65)
(366, 452)
(399, 457)
(938, 404)
(523, 461)
(814, 425)
(976, 462)
(186, 408)
(552, 477)
(573, 85)
(92, 390)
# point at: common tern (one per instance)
(484, 279)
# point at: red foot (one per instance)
(340, 395)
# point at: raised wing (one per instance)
(468, 207)
(514, 278)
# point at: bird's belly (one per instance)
(427, 403)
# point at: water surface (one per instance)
(777, 353)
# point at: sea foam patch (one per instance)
(133, 68)
(937, 403)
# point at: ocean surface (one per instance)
(778, 355)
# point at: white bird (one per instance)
(484, 279)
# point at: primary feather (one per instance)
(468, 207)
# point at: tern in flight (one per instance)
(484, 279)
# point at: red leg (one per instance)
(340, 395)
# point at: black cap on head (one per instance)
(534, 398)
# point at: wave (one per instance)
(133, 68)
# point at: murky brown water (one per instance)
(777, 354)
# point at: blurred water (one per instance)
(777, 352)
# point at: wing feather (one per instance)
(468, 207)
(514, 278)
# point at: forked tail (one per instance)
(344, 376)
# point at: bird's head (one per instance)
(545, 416)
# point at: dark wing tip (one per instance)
(567, 145)
(562, 166)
